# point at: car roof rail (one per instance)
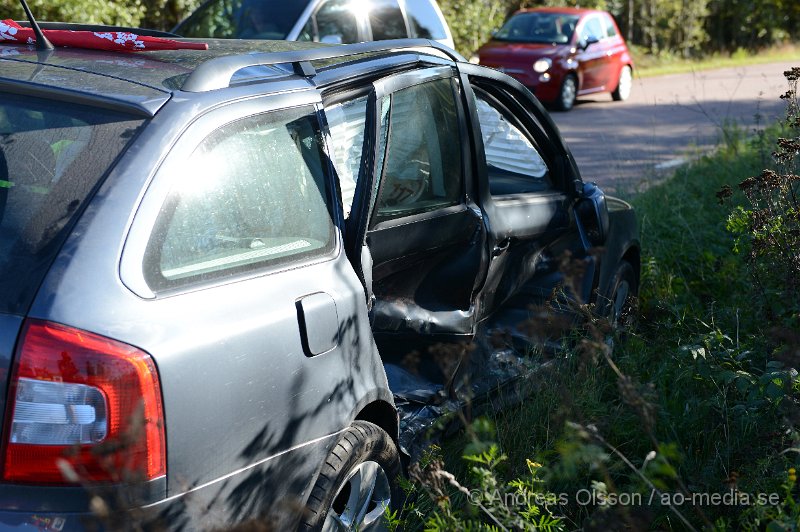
(217, 73)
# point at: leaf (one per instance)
(774, 392)
(743, 384)
(774, 526)
(697, 352)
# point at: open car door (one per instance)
(528, 187)
(425, 234)
(413, 229)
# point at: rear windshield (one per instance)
(243, 19)
(52, 156)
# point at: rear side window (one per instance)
(425, 20)
(593, 28)
(254, 195)
(52, 156)
(386, 20)
(611, 30)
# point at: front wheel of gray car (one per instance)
(358, 482)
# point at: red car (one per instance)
(562, 53)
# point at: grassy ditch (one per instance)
(694, 421)
(649, 65)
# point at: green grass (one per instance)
(699, 356)
(701, 389)
(648, 65)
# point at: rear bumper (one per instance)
(45, 522)
(67, 508)
(274, 490)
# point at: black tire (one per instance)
(624, 84)
(363, 449)
(619, 306)
(567, 94)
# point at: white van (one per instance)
(328, 21)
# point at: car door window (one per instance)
(513, 162)
(422, 152)
(593, 28)
(253, 195)
(346, 122)
(334, 22)
(424, 19)
(386, 20)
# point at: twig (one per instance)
(652, 486)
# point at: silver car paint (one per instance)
(238, 388)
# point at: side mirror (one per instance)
(591, 212)
(331, 39)
(588, 41)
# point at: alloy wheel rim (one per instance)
(620, 302)
(360, 501)
(568, 93)
(625, 83)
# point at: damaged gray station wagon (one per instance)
(215, 262)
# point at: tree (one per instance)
(154, 14)
(686, 27)
(751, 24)
(472, 22)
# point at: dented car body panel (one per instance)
(280, 245)
(443, 271)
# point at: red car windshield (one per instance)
(537, 27)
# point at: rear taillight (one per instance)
(86, 399)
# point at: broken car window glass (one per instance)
(513, 162)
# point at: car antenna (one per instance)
(42, 43)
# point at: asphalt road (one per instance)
(668, 120)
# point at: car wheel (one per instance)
(620, 303)
(567, 94)
(624, 85)
(357, 483)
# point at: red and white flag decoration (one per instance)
(10, 31)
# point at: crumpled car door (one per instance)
(527, 190)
